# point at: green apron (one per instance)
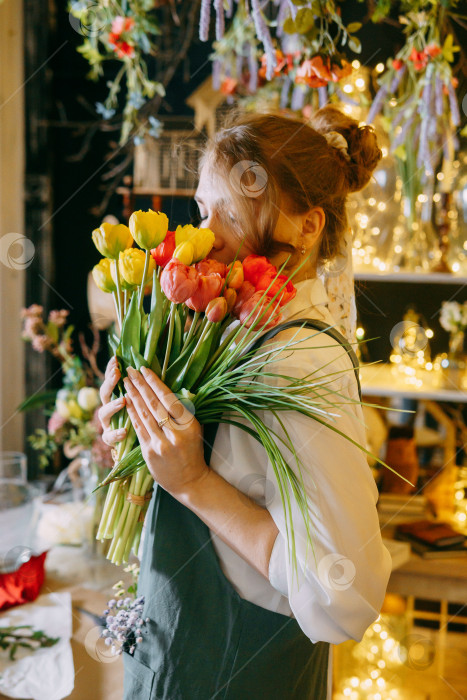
(202, 640)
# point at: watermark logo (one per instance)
(336, 572)
(248, 178)
(408, 338)
(416, 651)
(87, 18)
(16, 251)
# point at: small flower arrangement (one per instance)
(124, 616)
(453, 317)
(25, 636)
(73, 422)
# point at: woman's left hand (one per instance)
(170, 436)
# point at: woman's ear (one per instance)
(313, 223)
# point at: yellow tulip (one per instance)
(111, 239)
(131, 266)
(202, 240)
(148, 228)
(102, 275)
(113, 271)
(184, 253)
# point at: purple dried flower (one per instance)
(298, 98)
(264, 35)
(400, 138)
(439, 96)
(253, 68)
(322, 96)
(397, 79)
(220, 19)
(229, 9)
(216, 74)
(345, 98)
(204, 19)
(285, 92)
(377, 103)
(455, 114)
(282, 14)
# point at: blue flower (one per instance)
(156, 127)
(104, 111)
(136, 100)
(138, 140)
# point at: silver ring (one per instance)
(162, 422)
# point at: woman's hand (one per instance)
(108, 408)
(169, 435)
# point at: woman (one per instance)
(227, 617)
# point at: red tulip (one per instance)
(245, 292)
(209, 287)
(178, 281)
(254, 266)
(271, 315)
(209, 267)
(216, 310)
(164, 251)
(287, 293)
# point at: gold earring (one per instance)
(303, 249)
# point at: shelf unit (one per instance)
(384, 380)
(412, 277)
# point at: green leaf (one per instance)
(355, 44)
(354, 27)
(131, 329)
(289, 26)
(138, 359)
(304, 20)
(43, 399)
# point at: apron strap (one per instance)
(210, 429)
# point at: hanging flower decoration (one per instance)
(121, 32)
(418, 102)
(300, 63)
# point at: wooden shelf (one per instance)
(408, 276)
(159, 192)
(384, 380)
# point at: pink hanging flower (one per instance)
(33, 310)
(59, 317)
(122, 24)
(41, 343)
(55, 423)
(178, 281)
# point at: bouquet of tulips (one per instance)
(203, 317)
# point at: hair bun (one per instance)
(363, 148)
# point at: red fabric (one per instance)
(24, 584)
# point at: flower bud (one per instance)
(230, 297)
(184, 253)
(112, 239)
(102, 275)
(216, 310)
(235, 275)
(202, 240)
(148, 228)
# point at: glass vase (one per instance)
(455, 363)
(90, 477)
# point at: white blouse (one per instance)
(341, 586)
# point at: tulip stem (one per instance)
(145, 272)
(194, 323)
(119, 292)
(114, 295)
(169, 339)
(125, 301)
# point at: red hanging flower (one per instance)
(418, 58)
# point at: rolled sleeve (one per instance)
(338, 586)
